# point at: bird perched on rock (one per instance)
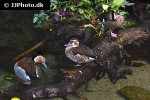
(26, 68)
(79, 53)
(111, 20)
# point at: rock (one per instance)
(135, 93)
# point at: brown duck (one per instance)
(26, 68)
(111, 20)
(79, 53)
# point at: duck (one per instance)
(111, 20)
(27, 70)
(79, 53)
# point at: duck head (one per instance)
(40, 59)
(73, 43)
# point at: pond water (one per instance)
(105, 90)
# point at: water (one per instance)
(105, 90)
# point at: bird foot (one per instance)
(113, 35)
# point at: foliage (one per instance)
(12, 78)
(128, 24)
(40, 19)
(78, 10)
(148, 8)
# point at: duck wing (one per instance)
(29, 66)
(83, 50)
(20, 72)
(110, 24)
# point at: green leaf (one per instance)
(105, 7)
(81, 11)
(8, 78)
(42, 14)
(54, 7)
(47, 18)
(97, 1)
(86, 2)
(12, 78)
(89, 10)
(35, 19)
(36, 15)
(87, 16)
(73, 8)
(80, 4)
(116, 4)
(39, 22)
(123, 13)
(126, 3)
(130, 4)
(65, 7)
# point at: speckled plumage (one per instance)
(79, 53)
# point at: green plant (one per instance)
(40, 19)
(78, 10)
(12, 78)
(128, 24)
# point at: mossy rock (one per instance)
(135, 93)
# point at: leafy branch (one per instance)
(87, 10)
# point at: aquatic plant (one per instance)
(79, 10)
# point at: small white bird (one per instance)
(79, 53)
(26, 68)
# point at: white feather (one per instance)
(21, 73)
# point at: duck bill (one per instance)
(44, 64)
(67, 45)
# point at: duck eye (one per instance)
(76, 43)
(71, 42)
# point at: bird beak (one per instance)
(67, 44)
(44, 64)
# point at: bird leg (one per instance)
(113, 34)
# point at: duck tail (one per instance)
(93, 58)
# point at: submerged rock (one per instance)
(135, 93)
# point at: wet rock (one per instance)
(135, 93)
